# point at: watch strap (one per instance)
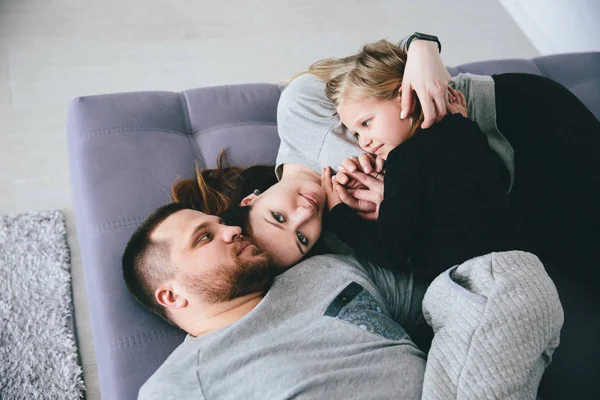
(421, 36)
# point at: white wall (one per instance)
(558, 26)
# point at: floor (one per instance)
(54, 50)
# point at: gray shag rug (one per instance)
(38, 354)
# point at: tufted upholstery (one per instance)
(126, 149)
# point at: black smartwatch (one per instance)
(423, 36)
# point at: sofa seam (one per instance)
(252, 123)
(134, 341)
(110, 131)
(117, 224)
(190, 130)
(541, 70)
(137, 335)
(186, 111)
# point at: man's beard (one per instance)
(224, 284)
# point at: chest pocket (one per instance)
(358, 307)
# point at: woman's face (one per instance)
(286, 220)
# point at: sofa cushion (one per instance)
(125, 151)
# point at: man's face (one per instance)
(212, 259)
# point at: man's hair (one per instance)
(147, 263)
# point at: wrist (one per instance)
(421, 44)
(423, 37)
(402, 43)
(331, 205)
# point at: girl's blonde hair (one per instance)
(374, 72)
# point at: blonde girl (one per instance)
(444, 198)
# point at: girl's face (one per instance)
(375, 123)
(286, 220)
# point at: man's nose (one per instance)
(230, 233)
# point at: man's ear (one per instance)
(246, 201)
(167, 297)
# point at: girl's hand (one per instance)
(457, 103)
(330, 185)
(365, 163)
(369, 193)
(425, 74)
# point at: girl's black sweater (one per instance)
(445, 201)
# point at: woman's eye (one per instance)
(302, 238)
(356, 135)
(278, 217)
(366, 123)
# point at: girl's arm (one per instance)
(426, 75)
(390, 240)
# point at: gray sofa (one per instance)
(126, 149)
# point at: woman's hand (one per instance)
(330, 185)
(426, 74)
(366, 198)
(457, 103)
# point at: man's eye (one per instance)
(302, 238)
(278, 217)
(204, 237)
